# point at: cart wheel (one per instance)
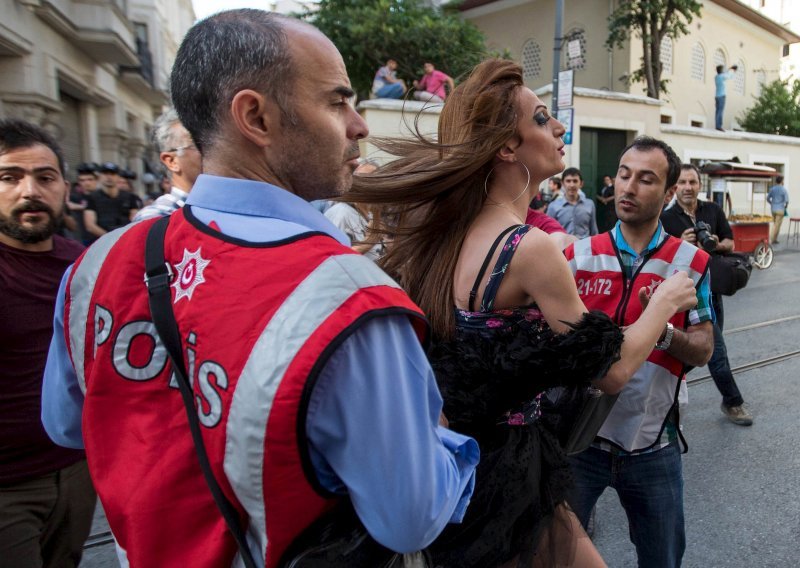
(762, 256)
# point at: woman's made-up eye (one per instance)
(542, 117)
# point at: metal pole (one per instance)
(557, 54)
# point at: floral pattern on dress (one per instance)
(488, 321)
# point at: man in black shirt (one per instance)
(679, 221)
(108, 208)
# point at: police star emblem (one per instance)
(189, 274)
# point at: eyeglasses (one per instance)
(179, 148)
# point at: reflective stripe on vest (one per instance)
(80, 290)
(329, 286)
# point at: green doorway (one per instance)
(600, 150)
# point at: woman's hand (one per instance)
(677, 291)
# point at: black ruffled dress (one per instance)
(493, 376)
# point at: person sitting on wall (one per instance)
(430, 88)
(386, 85)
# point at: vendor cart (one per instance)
(753, 237)
(750, 230)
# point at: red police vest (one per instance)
(640, 413)
(257, 323)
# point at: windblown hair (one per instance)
(16, 134)
(432, 193)
(224, 54)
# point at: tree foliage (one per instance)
(776, 110)
(650, 21)
(368, 32)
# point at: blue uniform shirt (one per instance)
(372, 417)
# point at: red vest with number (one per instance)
(257, 324)
(640, 413)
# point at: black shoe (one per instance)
(721, 129)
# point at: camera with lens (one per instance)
(704, 236)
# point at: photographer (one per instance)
(703, 224)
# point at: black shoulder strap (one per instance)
(158, 274)
(474, 292)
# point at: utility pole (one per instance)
(557, 54)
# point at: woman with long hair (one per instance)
(506, 317)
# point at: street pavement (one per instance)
(741, 500)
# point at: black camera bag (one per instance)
(729, 272)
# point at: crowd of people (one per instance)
(295, 356)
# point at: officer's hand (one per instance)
(689, 236)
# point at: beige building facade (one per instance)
(92, 72)
(609, 111)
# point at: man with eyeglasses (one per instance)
(181, 158)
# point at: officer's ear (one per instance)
(255, 116)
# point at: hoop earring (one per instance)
(527, 185)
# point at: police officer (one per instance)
(312, 387)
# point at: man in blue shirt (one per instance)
(778, 198)
(575, 213)
(719, 97)
(271, 112)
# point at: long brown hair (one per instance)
(434, 190)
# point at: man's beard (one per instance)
(11, 227)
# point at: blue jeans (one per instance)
(650, 489)
(719, 109)
(390, 91)
(718, 366)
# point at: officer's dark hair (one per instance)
(647, 143)
(224, 54)
(695, 169)
(572, 172)
(16, 133)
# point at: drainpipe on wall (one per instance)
(610, 53)
(557, 54)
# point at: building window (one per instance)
(761, 79)
(738, 78)
(786, 48)
(719, 59)
(576, 49)
(666, 55)
(140, 29)
(698, 63)
(531, 60)
(666, 119)
(696, 124)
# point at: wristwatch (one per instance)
(664, 344)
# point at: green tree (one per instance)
(650, 21)
(368, 32)
(776, 110)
